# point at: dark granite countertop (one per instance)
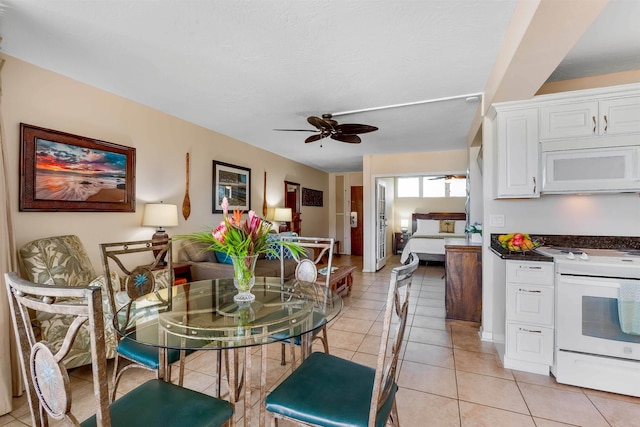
(599, 242)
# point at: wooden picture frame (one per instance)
(232, 182)
(70, 173)
(312, 197)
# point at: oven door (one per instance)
(587, 317)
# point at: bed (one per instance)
(429, 231)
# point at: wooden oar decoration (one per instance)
(264, 196)
(186, 203)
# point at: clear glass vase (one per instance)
(244, 276)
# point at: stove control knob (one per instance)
(570, 255)
(584, 256)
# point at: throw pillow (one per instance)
(447, 226)
(223, 258)
(272, 242)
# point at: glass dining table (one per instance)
(202, 315)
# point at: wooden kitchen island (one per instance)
(463, 280)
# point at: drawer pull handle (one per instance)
(527, 267)
(606, 123)
(594, 123)
(530, 330)
(529, 291)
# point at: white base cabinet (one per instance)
(529, 339)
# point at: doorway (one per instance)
(357, 230)
(381, 224)
(292, 197)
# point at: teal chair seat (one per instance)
(158, 403)
(145, 354)
(329, 391)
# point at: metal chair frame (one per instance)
(115, 252)
(324, 246)
(385, 379)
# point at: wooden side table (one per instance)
(399, 241)
(340, 280)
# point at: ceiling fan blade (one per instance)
(297, 130)
(321, 124)
(314, 138)
(353, 128)
(351, 139)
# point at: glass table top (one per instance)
(203, 314)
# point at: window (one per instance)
(431, 186)
(409, 187)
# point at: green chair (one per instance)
(330, 391)
(121, 262)
(155, 403)
(315, 249)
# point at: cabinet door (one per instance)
(569, 120)
(619, 116)
(532, 272)
(529, 343)
(518, 158)
(530, 304)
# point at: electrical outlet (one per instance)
(496, 220)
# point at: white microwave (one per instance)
(591, 170)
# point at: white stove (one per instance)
(591, 348)
(616, 263)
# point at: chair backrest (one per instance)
(45, 376)
(58, 260)
(390, 344)
(134, 269)
(315, 250)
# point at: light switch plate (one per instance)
(496, 220)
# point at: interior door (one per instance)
(357, 232)
(381, 224)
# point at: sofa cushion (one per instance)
(223, 258)
(197, 252)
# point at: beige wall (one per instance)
(42, 98)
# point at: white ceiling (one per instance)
(244, 68)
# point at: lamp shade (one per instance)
(404, 224)
(282, 215)
(160, 215)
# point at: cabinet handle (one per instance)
(529, 291)
(594, 123)
(530, 330)
(527, 267)
(534, 184)
(606, 123)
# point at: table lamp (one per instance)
(160, 215)
(404, 225)
(283, 216)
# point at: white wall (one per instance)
(42, 98)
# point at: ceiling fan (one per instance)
(448, 177)
(327, 127)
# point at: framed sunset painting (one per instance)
(65, 172)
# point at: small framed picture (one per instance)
(232, 182)
(64, 172)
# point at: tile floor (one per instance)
(448, 377)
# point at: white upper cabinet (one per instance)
(619, 116)
(569, 120)
(590, 118)
(517, 137)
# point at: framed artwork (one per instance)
(232, 182)
(311, 197)
(70, 173)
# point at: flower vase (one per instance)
(244, 277)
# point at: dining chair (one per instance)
(327, 390)
(315, 249)
(134, 269)
(48, 388)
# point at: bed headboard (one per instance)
(453, 216)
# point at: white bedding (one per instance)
(433, 245)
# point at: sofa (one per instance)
(206, 265)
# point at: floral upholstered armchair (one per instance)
(63, 261)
